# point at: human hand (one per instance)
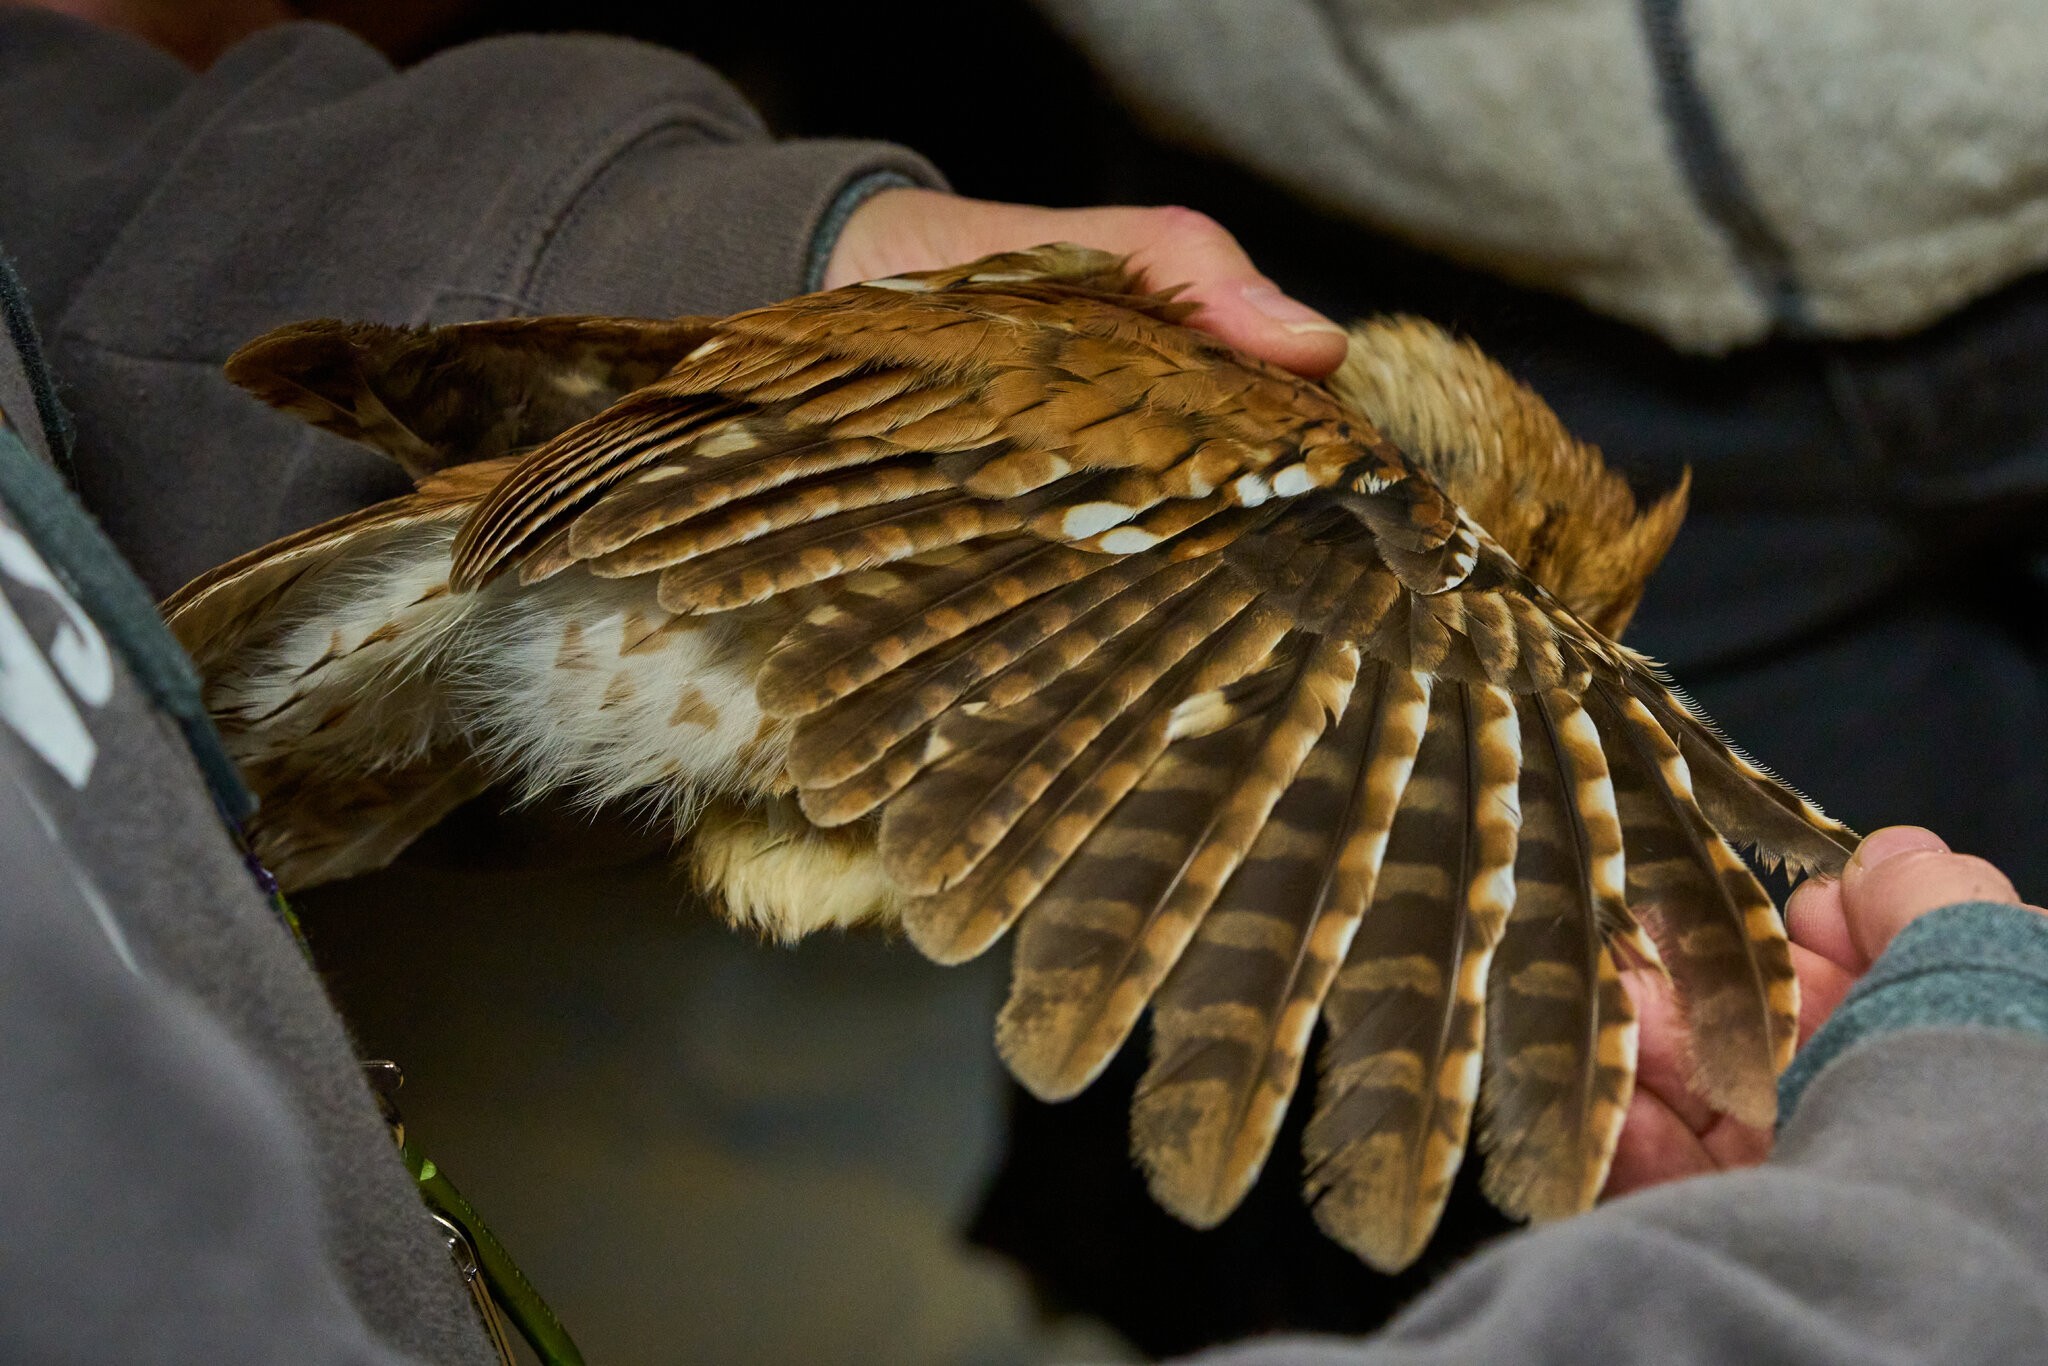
(1838, 929)
(908, 229)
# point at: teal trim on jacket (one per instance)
(1978, 963)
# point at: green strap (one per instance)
(508, 1284)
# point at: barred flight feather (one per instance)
(968, 917)
(1231, 1024)
(1071, 1008)
(1560, 1064)
(1713, 924)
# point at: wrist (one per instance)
(837, 255)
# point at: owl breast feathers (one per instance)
(994, 597)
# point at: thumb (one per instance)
(1234, 301)
(1900, 874)
(912, 229)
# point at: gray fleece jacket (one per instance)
(1711, 170)
(190, 1166)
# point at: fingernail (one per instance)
(1892, 841)
(1291, 313)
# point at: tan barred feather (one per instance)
(1000, 760)
(1015, 658)
(872, 485)
(1231, 1025)
(968, 916)
(1561, 1042)
(994, 597)
(572, 471)
(1069, 1011)
(1407, 1014)
(1714, 926)
(825, 659)
(1743, 802)
(738, 465)
(831, 548)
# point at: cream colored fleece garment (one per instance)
(1895, 152)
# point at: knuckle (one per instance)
(1941, 879)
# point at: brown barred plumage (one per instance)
(995, 597)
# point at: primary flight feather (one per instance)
(995, 599)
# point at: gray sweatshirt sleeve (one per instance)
(160, 219)
(1902, 1218)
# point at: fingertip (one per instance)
(1313, 354)
(1815, 921)
(1305, 349)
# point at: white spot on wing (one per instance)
(1293, 481)
(580, 383)
(1127, 540)
(1088, 519)
(1197, 715)
(730, 439)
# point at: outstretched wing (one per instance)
(1178, 666)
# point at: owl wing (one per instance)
(1164, 658)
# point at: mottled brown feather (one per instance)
(434, 397)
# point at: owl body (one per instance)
(996, 601)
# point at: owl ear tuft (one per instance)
(440, 396)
